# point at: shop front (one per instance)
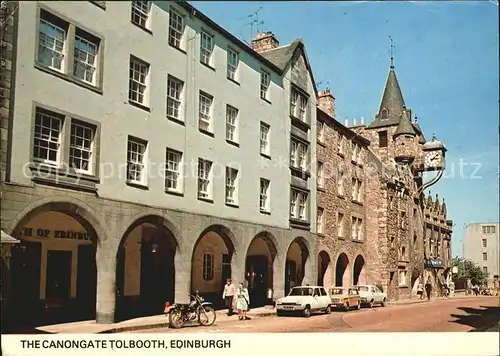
(53, 270)
(434, 269)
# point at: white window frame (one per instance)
(265, 83)
(175, 28)
(175, 97)
(138, 81)
(340, 183)
(265, 148)
(208, 267)
(139, 161)
(47, 137)
(264, 197)
(89, 62)
(140, 14)
(206, 48)
(320, 174)
(232, 132)
(320, 221)
(233, 62)
(298, 105)
(340, 224)
(174, 170)
(205, 178)
(232, 180)
(299, 155)
(298, 204)
(58, 47)
(84, 145)
(205, 112)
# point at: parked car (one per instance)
(371, 295)
(306, 300)
(345, 298)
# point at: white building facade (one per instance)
(148, 156)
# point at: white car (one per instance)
(306, 300)
(371, 295)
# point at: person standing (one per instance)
(428, 288)
(242, 301)
(420, 291)
(228, 296)
(475, 289)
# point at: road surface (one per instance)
(463, 314)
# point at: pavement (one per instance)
(161, 321)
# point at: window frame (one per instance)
(202, 97)
(299, 204)
(208, 266)
(146, 84)
(299, 154)
(177, 31)
(232, 125)
(85, 126)
(299, 103)
(143, 178)
(170, 152)
(320, 220)
(232, 69)
(232, 183)
(267, 128)
(265, 84)
(171, 99)
(140, 13)
(320, 174)
(340, 222)
(206, 54)
(266, 207)
(205, 167)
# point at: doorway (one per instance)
(86, 282)
(58, 286)
(290, 275)
(257, 272)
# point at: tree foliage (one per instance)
(467, 269)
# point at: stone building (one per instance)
(341, 226)
(145, 157)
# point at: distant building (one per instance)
(482, 246)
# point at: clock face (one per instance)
(432, 159)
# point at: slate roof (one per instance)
(405, 127)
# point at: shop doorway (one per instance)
(86, 282)
(257, 274)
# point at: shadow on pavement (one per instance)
(480, 319)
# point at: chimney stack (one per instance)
(264, 42)
(326, 102)
(346, 123)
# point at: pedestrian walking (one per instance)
(242, 301)
(428, 289)
(420, 291)
(228, 295)
(475, 289)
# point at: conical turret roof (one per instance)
(405, 127)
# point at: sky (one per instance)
(446, 60)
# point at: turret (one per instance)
(404, 139)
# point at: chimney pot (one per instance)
(362, 121)
(353, 122)
(346, 123)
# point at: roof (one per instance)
(405, 127)
(321, 115)
(282, 56)
(7, 239)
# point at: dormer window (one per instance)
(385, 114)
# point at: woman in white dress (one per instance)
(242, 301)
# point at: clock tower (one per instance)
(434, 154)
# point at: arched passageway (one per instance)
(325, 270)
(211, 263)
(342, 271)
(53, 268)
(297, 258)
(259, 268)
(359, 271)
(145, 273)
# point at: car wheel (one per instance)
(384, 303)
(371, 304)
(328, 310)
(307, 311)
(346, 308)
(358, 306)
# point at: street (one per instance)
(454, 315)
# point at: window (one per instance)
(298, 204)
(206, 48)
(341, 144)
(264, 195)
(53, 50)
(485, 243)
(175, 28)
(321, 132)
(140, 12)
(231, 124)
(485, 256)
(265, 81)
(136, 152)
(356, 194)
(355, 152)
(340, 225)
(137, 84)
(205, 120)
(298, 155)
(340, 183)
(382, 139)
(403, 220)
(264, 139)
(489, 229)
(47, 137)
(173, 171)
(403, 253)
(402, 278)
(174, 97)
(231, 186)
(485, 270)
(298, 105)
(320, 175)
(232, 64)
(356, 228)
(80, 147)
(208, 266)
(204, 179)
(385, 113)
(320, 223)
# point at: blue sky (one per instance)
(446, 60)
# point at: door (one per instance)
(258, 272)
(290, 275)
(86, 281)
(226, 271)
(316, 299)
(325, 299)
(58, 277)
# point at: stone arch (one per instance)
(359, 270)
(297, 263)
(261, 267)
(56, 259)
(145, 266)
(211, 259)
(342, 271)
(325, 269)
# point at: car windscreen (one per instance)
(363, 288)
(301, 291)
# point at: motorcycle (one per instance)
(197, 309)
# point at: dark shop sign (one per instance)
(56, 234)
